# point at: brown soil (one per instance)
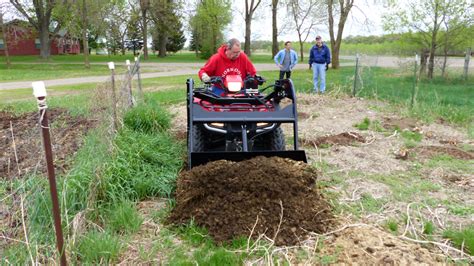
(399, 123)
(66, 135)
(431, 151)
(277, 197)
(344, 139)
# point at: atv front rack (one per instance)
(197, 115)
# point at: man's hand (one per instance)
(280, 66)
(327, 67)
(205, 78)
(309, 66)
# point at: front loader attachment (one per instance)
(198, 116)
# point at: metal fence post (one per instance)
(140, 91)
(39, 91)
(466, 63)
(415, 82)
(356, 75)
(129, 84)
(114, 97)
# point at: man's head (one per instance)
(232, 50)
(319, 40)
(288, 45)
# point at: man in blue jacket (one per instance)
(319, 59)
(286, 59)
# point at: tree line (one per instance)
(128, 24)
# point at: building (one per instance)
(23, 40)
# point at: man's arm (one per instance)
(276, 59)
(293, 64)
(209, 68)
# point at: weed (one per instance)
(364, 125)
(392, 225)
(462, 238)
(428, 228)
(122, 217)
(147, 118)
(98, 247)
(411, 135)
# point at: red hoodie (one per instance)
(220, 65)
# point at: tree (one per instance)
(40, 17)
(427, 18)
(144, 6)
(165, 14)
(211, 17)
(343, 10)
(249, 12)
(274, 28)
(4, 35)
(305, 15)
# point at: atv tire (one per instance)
(199, 139)
(272, 141)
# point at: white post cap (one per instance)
(136, 59)
(39, 90)
(127, 62)
(111, 65)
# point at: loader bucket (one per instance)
(201, 158)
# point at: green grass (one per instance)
(123, 218)
(98, 248)
(392, 225)
(462, 238)
(364, 125)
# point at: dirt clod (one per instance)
(272, 196)
(344, 139)
(431, 151)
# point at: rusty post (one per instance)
(114, 97)
(39, 91)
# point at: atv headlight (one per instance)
(219, 125)
(234, 86)
(263, 124)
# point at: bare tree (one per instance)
(305, 18)
(4, 36)
(274, 28)
(343, 8)
(40, 17)
(249, 12)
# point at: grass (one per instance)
(98, 248)
(123, 218)
(462, 238)
(364, 125)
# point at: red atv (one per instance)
(242, 122)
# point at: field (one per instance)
(388, 183)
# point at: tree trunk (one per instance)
(301, 47)
(336, 41)
(85, 40)
(248, 24)
(145, 36)
(433, 42)
(5, 40)
(45, 41)
(163, 40)
(274, 28)
(423, 60)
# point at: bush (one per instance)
(147, 118)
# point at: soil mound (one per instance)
(431, 151)
(344, 139)
(66, 134)
(272, 196)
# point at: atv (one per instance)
(241, 122)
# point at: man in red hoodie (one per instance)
(228, 60)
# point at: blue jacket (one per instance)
(281, 56)
(319, 55)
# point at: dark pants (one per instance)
(282, 73)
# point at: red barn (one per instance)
(23, 40)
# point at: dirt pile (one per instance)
(427, 152)
(344, 139)
(66, 133)
(272, 196)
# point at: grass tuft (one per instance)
(98, 248)
(147, 118)
(462, 238)
(123, 218)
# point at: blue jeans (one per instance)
(319, 71)
(217, 90)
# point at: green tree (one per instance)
(207, 25)
(40, 16)
(427, 18)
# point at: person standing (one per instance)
(286, 59)
(319, 60)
